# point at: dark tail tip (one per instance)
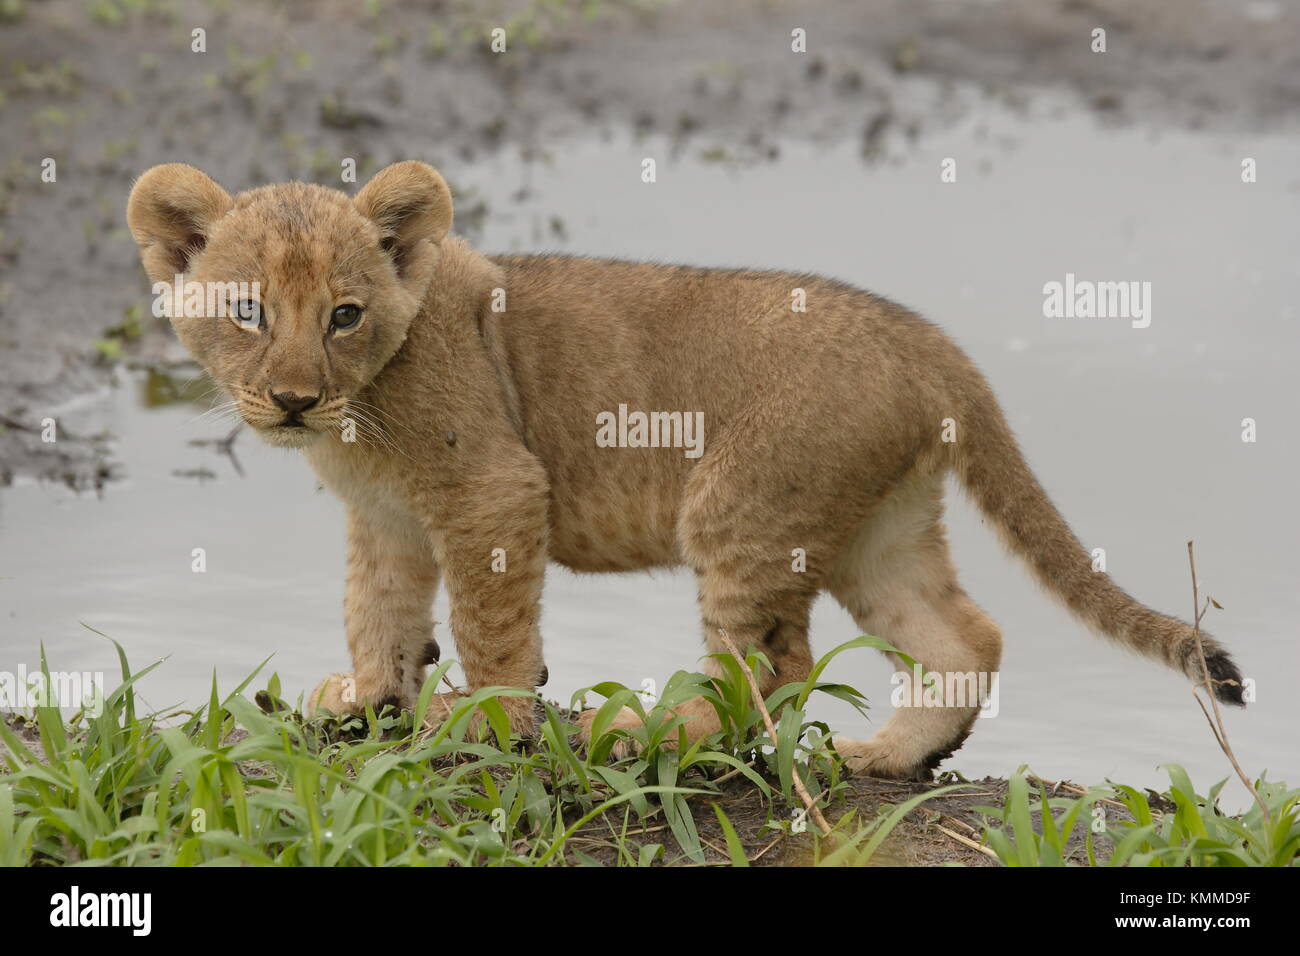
(1229, 686)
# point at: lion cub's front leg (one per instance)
(392, 579)
(494, 553)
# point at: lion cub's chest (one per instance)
(367, 483)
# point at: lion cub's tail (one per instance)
(990, 464)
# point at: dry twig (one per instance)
(1216, 724)
(804, 795)
(966, 841)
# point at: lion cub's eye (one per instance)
(345, 317)
(248, 315)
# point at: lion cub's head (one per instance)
(293, 297)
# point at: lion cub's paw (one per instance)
(625, 719)
(521, 711)
(337, 693)
(869, 758)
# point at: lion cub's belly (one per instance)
(607, 526)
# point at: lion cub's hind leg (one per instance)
(765, 515)
(782, 639)
(898, 582)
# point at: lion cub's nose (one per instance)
(294, 404)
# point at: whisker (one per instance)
(375, 431)
(382, 415)
(216, 410)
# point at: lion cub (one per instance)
(457, 402)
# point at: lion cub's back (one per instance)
(682, 336)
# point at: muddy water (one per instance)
(1136, 432)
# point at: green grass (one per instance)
(247, 780)
(242, 781)
(1190, 830)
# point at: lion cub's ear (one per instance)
(411, 204)
(170, 212)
